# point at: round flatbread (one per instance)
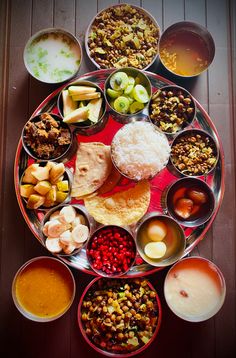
(123, 208)
(92, 168)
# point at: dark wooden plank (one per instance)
(64, 15)
(173, 11)
(13, 228)
(84, 15)
(196, 11)
(219, 109)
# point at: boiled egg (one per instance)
(155, 250)
(156, 230)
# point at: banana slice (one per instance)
(67, 214)
(55, 228)
(53, 245)
(155, 250)
(68, 249)
(45, 228)
(80, 219)
(66, 237)
(80, 233)
(55, 215)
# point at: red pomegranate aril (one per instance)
(111, 251)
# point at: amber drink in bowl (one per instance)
(186, 49)
(43, 289)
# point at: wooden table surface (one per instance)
(20, 94)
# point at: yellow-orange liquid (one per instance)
(184, 53)
(44, 288)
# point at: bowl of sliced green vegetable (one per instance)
(127, 92)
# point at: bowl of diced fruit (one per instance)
(82, 104)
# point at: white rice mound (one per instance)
(140, 151)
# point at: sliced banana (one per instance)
(66, 237)
(55, 215)
(68, 249)
(78, 220)
(155, 250)
(45, 228)
(80, 233)
(53, 245)
(55, 228)
(67, 214)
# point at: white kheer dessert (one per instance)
(194, 289)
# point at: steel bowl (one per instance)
(33, 66)
(69, 148)
(80, 209)
(175, 90)
(184, 184)
(151, 18)
(184, 284)
(101, 229)
(86, 127)
(93, 286)
(174, 239)
(19, 306)
(188, 27)
(188, 133)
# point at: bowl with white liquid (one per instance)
(53, 55)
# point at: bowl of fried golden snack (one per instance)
(122, 36)
(119, 317)
(45, 185)
(46, 137)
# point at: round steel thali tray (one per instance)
(215, 179)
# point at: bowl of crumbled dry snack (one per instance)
(123, 36)
(46, 137)
(194, 152)
(171, 109)
(119, 317)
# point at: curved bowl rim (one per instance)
(99, 272)
(206, 134)
(192, 223)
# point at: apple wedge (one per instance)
(94, 107)
(77, 90)
(79, 115)
(68, 104)
(86, 96)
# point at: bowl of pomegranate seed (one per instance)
(111, 251)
